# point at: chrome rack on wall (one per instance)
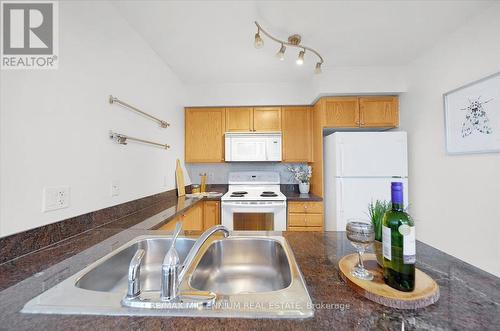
(162, 123)
(122, 139)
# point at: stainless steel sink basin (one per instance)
(111, 274)
(253, 276)
(243, 265)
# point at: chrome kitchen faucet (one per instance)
(172, 275)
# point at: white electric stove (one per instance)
(254, 202)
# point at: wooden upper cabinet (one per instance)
(378, 112)
(341, 112)
(297, 134)
(260, 119)
(204, 134)
(267, 119)
(239, 119)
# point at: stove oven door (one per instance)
(254, 215)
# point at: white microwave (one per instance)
(251, 147)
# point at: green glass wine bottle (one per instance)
(398, 240)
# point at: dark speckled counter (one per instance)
(295, 196)
(469, 297)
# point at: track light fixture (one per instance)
(281, 53)
(300, 59)
(318, 68)
(293, 41)
(258, 43)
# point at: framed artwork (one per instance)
(472, 117)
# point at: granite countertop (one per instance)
(296, 196)
(289, 190)
(469, 297)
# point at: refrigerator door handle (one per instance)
(341, 200)
(341, 158)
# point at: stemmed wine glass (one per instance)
(361, 235)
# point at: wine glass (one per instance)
(361, 235)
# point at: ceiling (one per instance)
(212, 41)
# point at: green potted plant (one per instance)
(376, 211)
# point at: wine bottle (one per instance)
(398, 241)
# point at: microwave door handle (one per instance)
(266, 147)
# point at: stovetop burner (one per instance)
(237, 195)
(268, 194)
(240, 192)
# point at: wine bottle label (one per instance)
(386, 242)
(409, 250)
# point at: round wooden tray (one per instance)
(426, 289)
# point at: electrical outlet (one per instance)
(115, 188)
(211, 177)
(55, 198)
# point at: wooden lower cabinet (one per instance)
(193, 218)
(305, 216)
(200, 217)
(211, 214)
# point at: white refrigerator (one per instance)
(359, 168)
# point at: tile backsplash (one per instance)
(218, 173)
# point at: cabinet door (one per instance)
(193, 218)
(211, 214)
(239, 119)
(379, 112)
(297, 134)
(305, 207)
(204, 135)
(267, 119)
(341, 112)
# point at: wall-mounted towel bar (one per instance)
(113, 100)
(122, 139)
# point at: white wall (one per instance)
(55, 123)
(454, 198)
(361, 80)
(241, 94)
(337, 81)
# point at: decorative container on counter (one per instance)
(304, 188)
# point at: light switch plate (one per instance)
(55, 198)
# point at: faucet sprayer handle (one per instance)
(170, 269)
(134, 274)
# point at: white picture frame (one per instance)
(472, 117)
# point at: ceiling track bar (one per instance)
(288, 43)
